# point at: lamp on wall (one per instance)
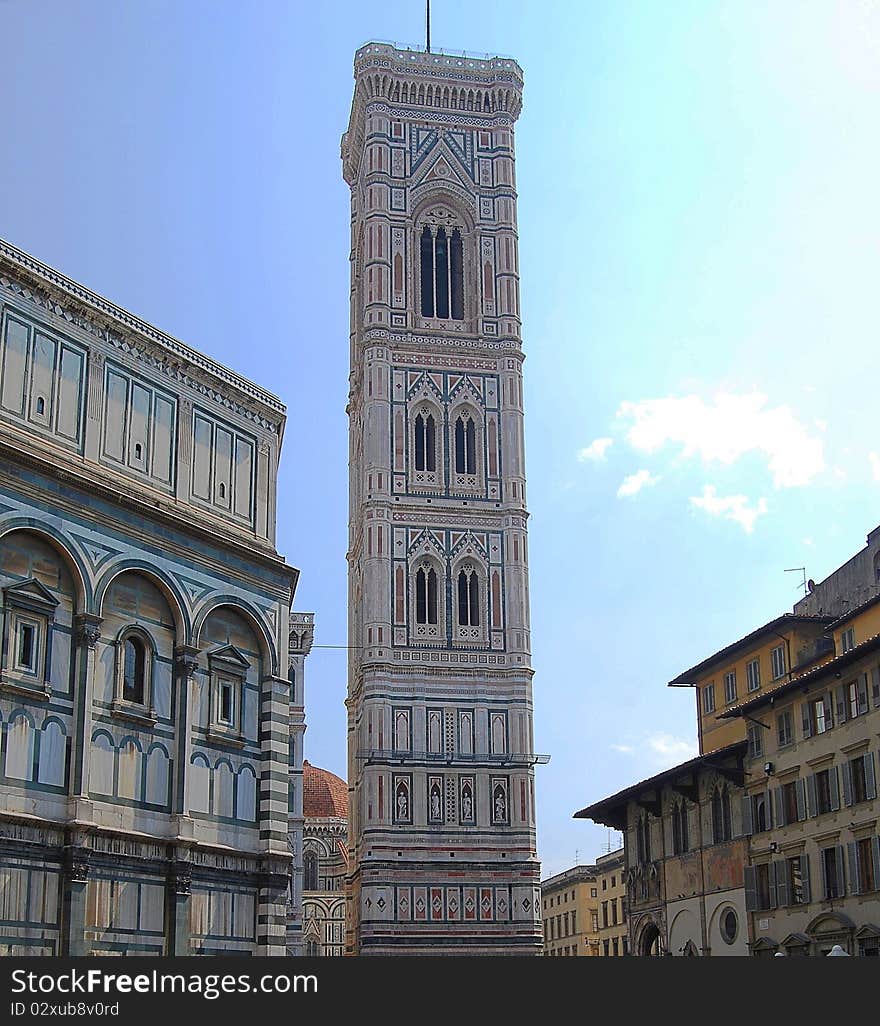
(768, 768)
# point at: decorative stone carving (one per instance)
(87, 630)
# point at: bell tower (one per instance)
(441, 758)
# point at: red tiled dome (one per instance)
(324, 794)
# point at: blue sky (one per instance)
(699, 235)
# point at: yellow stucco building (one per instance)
(569, 910)
(611, 933)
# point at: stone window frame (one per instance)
(140, 712)
(428, 633)
(226, 666)
(470, 635)
(425, 480)
(442, 212)
(464, 483)
(28, 603)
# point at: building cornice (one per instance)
(29, 278)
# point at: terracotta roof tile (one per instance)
(324, 794)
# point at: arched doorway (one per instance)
(649, 941)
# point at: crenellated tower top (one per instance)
(481, 89)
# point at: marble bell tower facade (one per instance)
(441, 760)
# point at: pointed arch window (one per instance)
(310, 871)
(441, 254)
(465, 444)
(426, 450)
(468, 598)
(426, 595)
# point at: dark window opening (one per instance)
(823, 792)
(27, 636)
(790, 802)
(465, 446)
(859, 781)
(468, 599)
(427, 257)
(134, 671)
(227, 703)
(865, 859)
(442, 273)
(425, 453)
(426, 596)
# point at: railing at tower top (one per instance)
(440, 56)
(387, 756)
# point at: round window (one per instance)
(729, 925)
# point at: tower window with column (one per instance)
(442, 272)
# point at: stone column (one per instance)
(274, 814)
(87, 634)
(272, 907)
(186, 661)
(73, 913)
(178, 904)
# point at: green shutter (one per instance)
(806, 719)
(800, 792)
(841, 703)
(747, 821)
(834, 788)
(841, 876)
(875, 856)
(852, 853)
(779, 806)
(750, 889)
(870, 778)
(875, 685)
(847, 784)
(783, 891)
(771, 881)
(862, 690)
(812, 801)
(805, 878)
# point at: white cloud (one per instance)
(596, 450)
(875, 465)
(731, 507)
(672, 749)
(626, 749)
(725, 430)
(633, 484)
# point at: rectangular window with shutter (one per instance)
(763, 886)
(730, 687)
(777, 661)
(795, 880)
(784, 729)
(863, 875)
(858, 780)
(789, 803)
(756, 741)
(709, 699)
(753, 675)
(831, 864)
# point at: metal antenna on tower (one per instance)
(428, 25)
(803, 570)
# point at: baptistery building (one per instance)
(148, 730)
